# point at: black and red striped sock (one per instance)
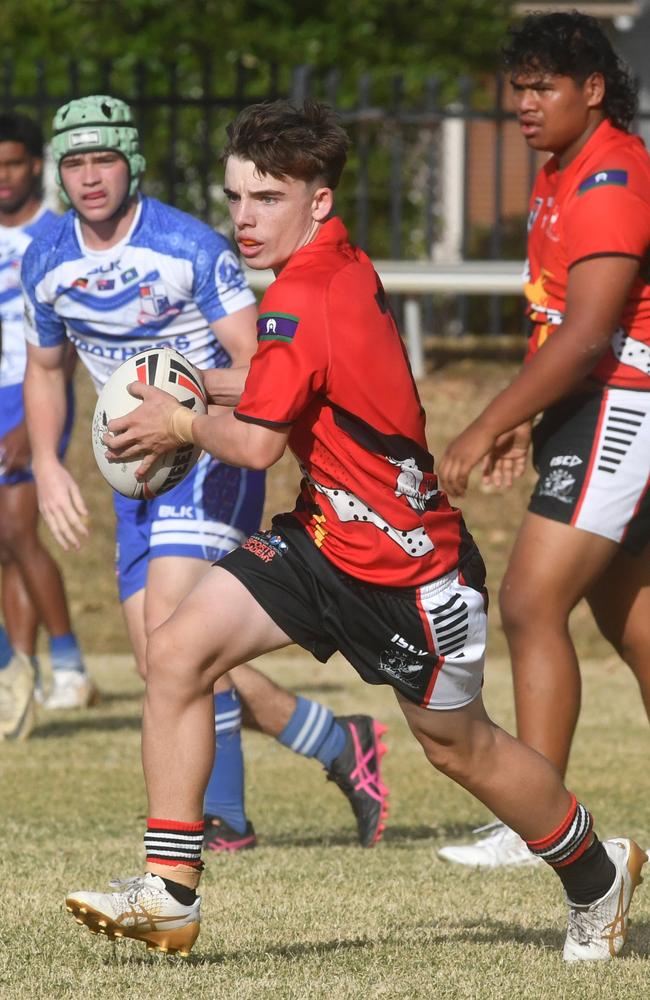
(577, 855)
(169, 842)
(175, 845)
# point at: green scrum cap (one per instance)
(95, 123)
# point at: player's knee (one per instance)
(171, 665)
(518, 606)
(457, 758)
(6, 555)
(451, 759)
(11, 539)
(632, 644)
(163, 666)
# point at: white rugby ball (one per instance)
(166, 369)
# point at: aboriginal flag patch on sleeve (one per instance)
(277, 326)
(602, 179)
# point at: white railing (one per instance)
(415, 278)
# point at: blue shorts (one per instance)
(211, 512)
(12, 413)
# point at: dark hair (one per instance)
(15, 127)
(286, 140)
(573, 45)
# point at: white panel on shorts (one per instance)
(619, 474)
(457, 623)
(176, 532)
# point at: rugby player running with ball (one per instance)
(373, 561)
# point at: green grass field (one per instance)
(308, 914)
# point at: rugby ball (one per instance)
(166, 369)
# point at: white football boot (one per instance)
(597, 932)
(17, 698)
(71, 689)
(501, 848)
(141, 909)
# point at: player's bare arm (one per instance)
(59, 498)
(597, 292)
(161, 424)
(238, 334)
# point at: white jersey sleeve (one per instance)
(220, 287)
(42, 326)
(14, 241)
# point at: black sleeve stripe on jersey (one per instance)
(273, 424)
(604, 253)
(394, 446)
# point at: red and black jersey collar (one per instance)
(600, 139)
(332, 234)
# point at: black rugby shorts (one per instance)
(592, 453)
(427, 642)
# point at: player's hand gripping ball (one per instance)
(166, 369)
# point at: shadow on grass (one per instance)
(473, 932)
(638, 942)
(110, 697)
(394, 836)
(84, 724)
(443, 831)
(288, 951)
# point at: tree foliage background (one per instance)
(413, 36)
(186, 67)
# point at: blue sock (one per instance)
(6, 652)
(224, 796)
(65, 653)
(313, 731)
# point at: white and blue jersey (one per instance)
(14, 241)
(162, 285)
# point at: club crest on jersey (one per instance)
(604, 178)
(277, 326)
(154, 302)
(413, 483)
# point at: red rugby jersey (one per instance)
(598, 206)
(331, 365)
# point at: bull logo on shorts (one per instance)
(559, 485)
(399, 666)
